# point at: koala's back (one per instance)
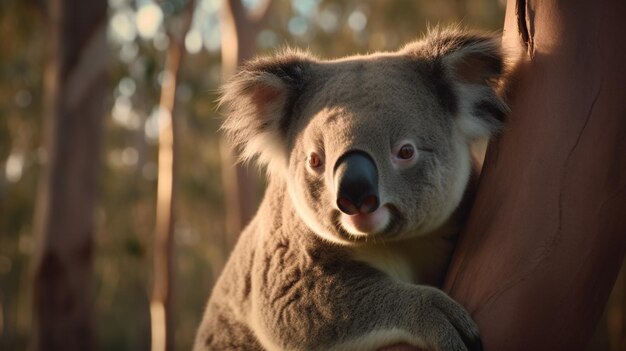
(224, 324)
(226, 321)
(260, 263)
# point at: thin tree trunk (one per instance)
(75, 89)
(546, 236)
(162, 303)
(239, 31)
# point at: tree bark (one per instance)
(546, 236)
(162, 302)
(75, 88)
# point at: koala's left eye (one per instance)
(406, 152)
(315, 161)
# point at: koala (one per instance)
(368, 161)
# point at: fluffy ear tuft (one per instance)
(258, 102)
(471, 64)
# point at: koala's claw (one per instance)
(462, 333)
(470, 336)
(472, 341)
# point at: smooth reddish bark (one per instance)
(547, 233)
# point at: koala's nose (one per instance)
(356, 181)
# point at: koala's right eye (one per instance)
(314, 160)
(406, 152)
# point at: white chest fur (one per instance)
(420, 260)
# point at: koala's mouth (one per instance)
(384, 223)
(366, 223)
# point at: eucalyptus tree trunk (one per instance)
(75, 89)
(162, 301)
(547, 233)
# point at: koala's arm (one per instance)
(341, 304)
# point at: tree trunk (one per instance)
(546, 236)
(239, 30)
(75, 89)
(162, 303)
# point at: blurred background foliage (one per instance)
(137, 39)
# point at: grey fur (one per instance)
(299, 277)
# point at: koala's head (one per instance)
(374, 146)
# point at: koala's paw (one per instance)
(450, 327)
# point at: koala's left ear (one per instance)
(259, 101)
(468, 67)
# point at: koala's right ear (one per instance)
(471, 64)
(259, 101)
